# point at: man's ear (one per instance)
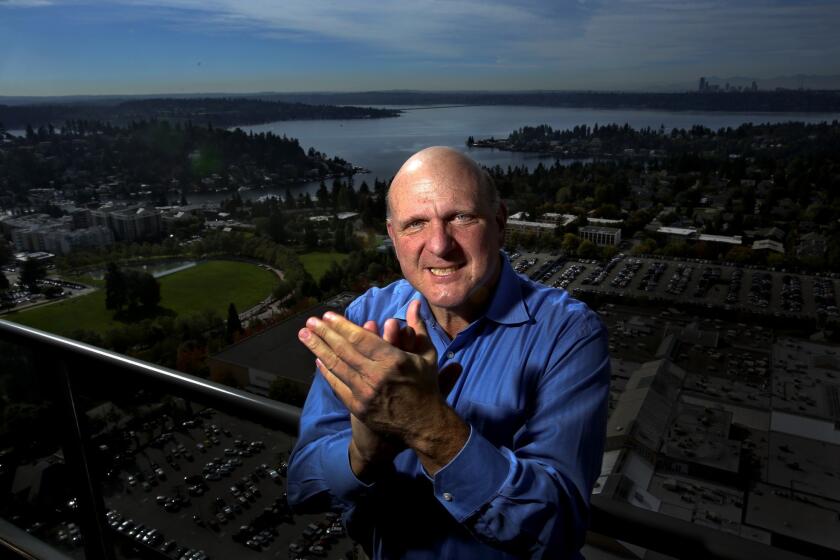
(391, 234)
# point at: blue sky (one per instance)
(66, 47)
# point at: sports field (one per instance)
(209, 285)
(317, 263)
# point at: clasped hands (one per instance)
(391, 387)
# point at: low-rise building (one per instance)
(812, 245)
(768, 245)
(128, 223)
(525, 226)
(601, 236)
(40, 232)
(254, 363)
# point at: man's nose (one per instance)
(440, 241)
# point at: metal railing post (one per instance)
(96, 540)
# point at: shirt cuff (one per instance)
(460, 489)
(335, 464)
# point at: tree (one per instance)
(191, 357)
(234, 325)
(340, 237)
(147, 290)
(588, 250)
(130, 288)
(116, 292)
(775, 259)
(739, 254)
(4, 283)
(570, 243)
(310, 237)
(288, 199)
(608, 252)
(645, 247)
(276, 227)
(375, 271)
(323, 196)
(6, 252)
(283, 290)
(32, 271)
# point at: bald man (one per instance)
(459, 412)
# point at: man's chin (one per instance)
(448, 300)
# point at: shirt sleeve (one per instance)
(320, 460)
(533, 500)
(320, 477)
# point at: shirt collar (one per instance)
(507, 306)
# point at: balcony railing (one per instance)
(67, 362)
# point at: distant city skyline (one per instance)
(120, 47)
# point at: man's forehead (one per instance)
(408, 196)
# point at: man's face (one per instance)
(447, 236)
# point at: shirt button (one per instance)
(450, 354)
(447, 496)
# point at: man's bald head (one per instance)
(440, 163)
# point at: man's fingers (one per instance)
(339, 364)
(344, 336)
(447, 378)
(342, 391)
(354, 346)
(371, 327)
(401, 337)
(391, 332)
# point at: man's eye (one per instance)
(414, 225)
(464, 218)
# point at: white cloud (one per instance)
(25, 3)
(583, 40)
(606, 33)
(436, 28)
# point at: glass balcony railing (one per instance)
(106, 457)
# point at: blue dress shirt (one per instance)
(534, 391)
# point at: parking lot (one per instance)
(696, 282)
(213, 486)
(53, 289)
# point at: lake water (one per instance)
(382, 145)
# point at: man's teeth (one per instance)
(442, 271)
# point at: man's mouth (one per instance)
(443, 271)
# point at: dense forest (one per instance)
(782, 140)
(89, 158)
(222, 112)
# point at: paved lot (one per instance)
(687, 281)
(22, 299)
(131, 501)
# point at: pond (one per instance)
(156, 269)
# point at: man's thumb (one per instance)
(422, 344)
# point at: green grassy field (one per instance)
(318, 263)
(210, 285)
